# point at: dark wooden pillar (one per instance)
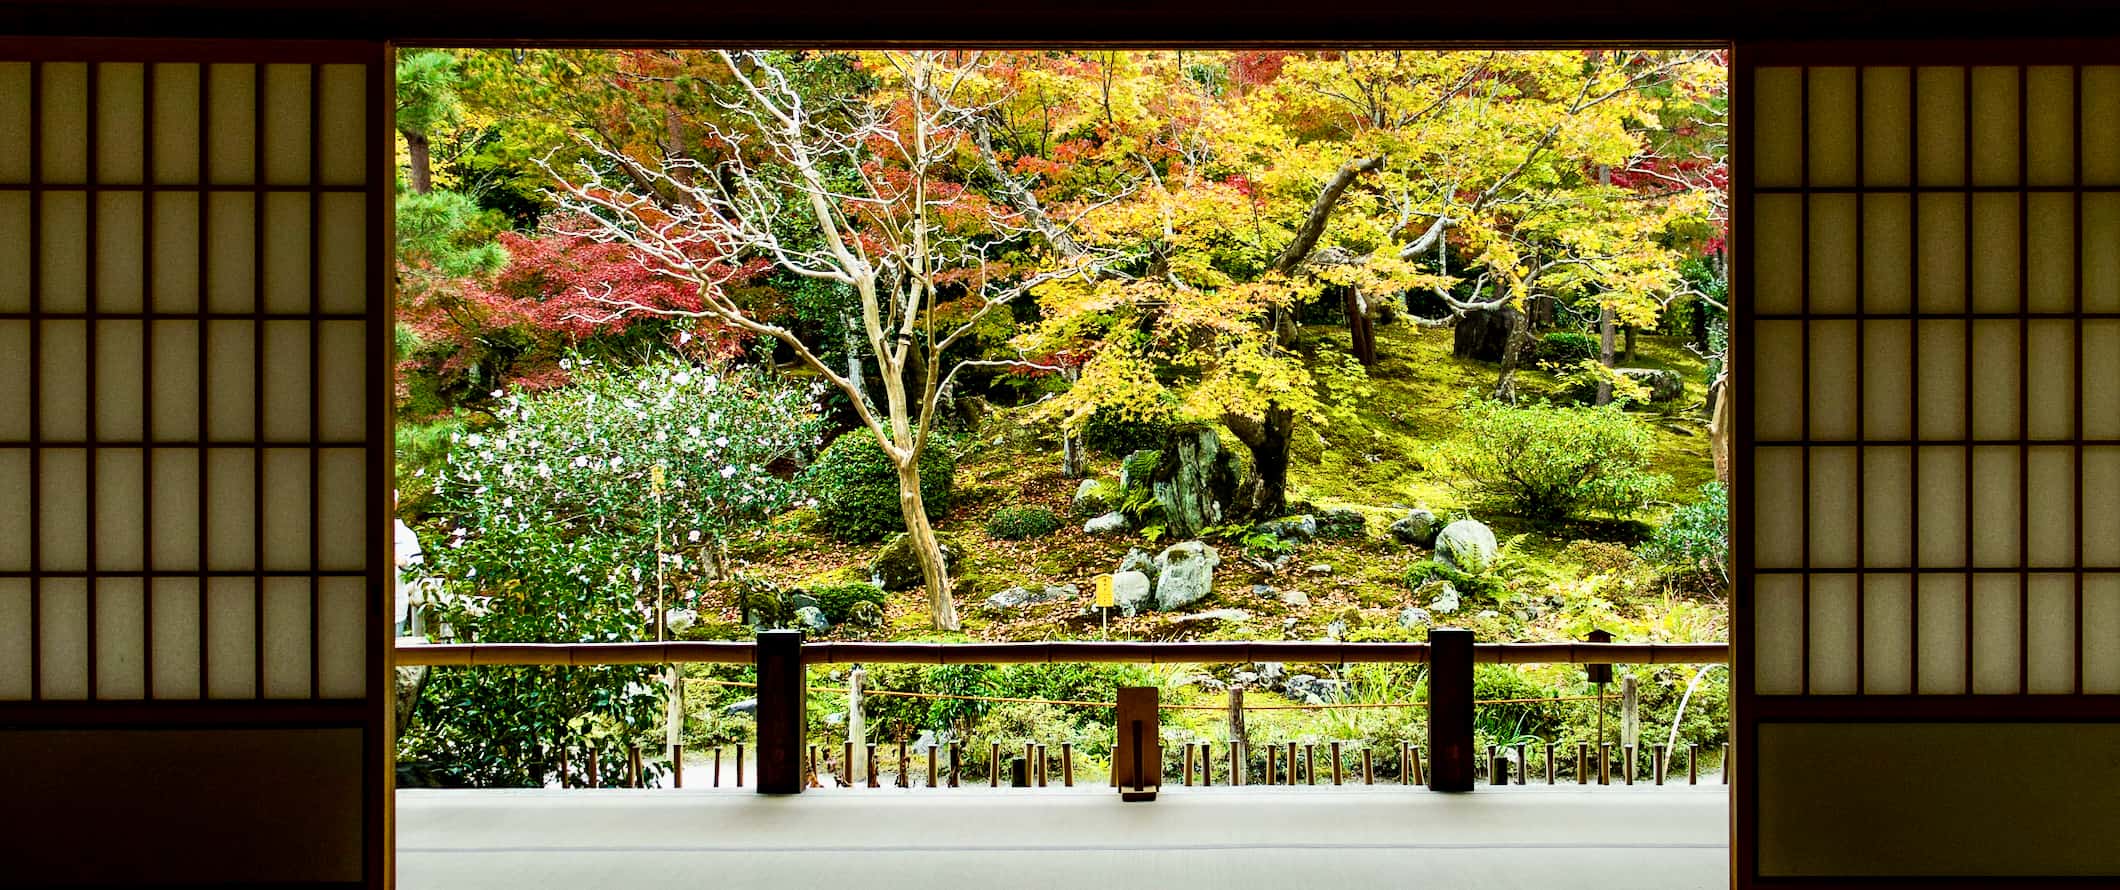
(781, 689)
(1137, 759)
(1451, 763)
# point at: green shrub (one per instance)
(839, 602)
(1549, 462)
(1505, 721)
(1109, 431)
(1694, 546)
(1017, 523)
(1138, 467)
(856, 487)
(1566, 348)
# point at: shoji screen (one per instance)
(1929, 601)
(193, 322)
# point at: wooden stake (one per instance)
(1660, 751)
(1067, 764)
(905, 767)
(1523, 764)
(993, 765)
(1187, 782)
(677, 766)
(1369, 767)
(956, 767)
(871, 763)
(1693, 763)
(717, 767)
(1582, 763)
(1336, 763)
(562, 767)
(931, 766)
(1549, 763)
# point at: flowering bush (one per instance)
(550, 522)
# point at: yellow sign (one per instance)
(1104, 591)
(655, 477)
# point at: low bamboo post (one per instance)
(1291, 763)
(816, 768)
(931, 766)
(956, 762)
(1659, 754)
(1041, 765)
(1582, 763)
(846, 766)
(1310, 763)
(563, 766)
(633, 777)
(717, 766)
(1336, 763)
(1369, 767)
(1272, 751)
(1693, 763)
(677, 766)
(1419, 776)
(1604, 763)
(993, 765)
(739, 764)
(1551, 773)
(1627, 751)
(1067, 764)
(905, 768)
(1492, 773)
(1187, 776)
(870, 762)
(1523, 764)
(595, 766)
(1207, 764)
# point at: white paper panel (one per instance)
(1942, 379)
(1941, 283)
(1996, 125)
(1777, 658)
(287, 631)
(231, 635)
(287, 124)
(63, 390)
(1833, 137)
(2051, 607)
(1939, 109)
(287, 252)
(342, 634)
(231, 123)
(2101, 378)
(1997, 493)
(342, 363)
(121, 114)
(2101, 125)
(1887, 380)
(1942, 503)
(342, 248)
(2051, 538)
(231, 488)
(1995, 256)
(2101, 266)
(175, 276)
(231, 381)
(2101, 520)
(1835, 404)
(173, 351)
(65, 122)
(1777, 382)
(1833, 640)
(1886, 271)
(342, 115)
(121, 226)
(14, 509)
(1887, 634)
(1886, 143)
(2051, 243)
(62, 483)
(121, 524)
(1996, 394)
(1777, 245)
(2101, 634)
(14, 122)
(1777, 507)
(14, 368)
(287, 509)
(121, 630)
(342, 504)
(14, 251)
(1942, 640)
(1833, 240)
(62, 636)
(286, 390)
(2051, 386)
(174, 478)
(231, 271)
(1777, 127)
(1996, 630)
(176, 124)
(15, 632)
(119, 379)
(1833, 498)
(176, 637)
(2050, 124)
(1887, 507)
(62, 252)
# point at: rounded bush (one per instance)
(1566, 348)
(856, 487)
(1017, 523)
(838, 602)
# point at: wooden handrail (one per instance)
(499, 654)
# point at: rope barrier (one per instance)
(1326, 706)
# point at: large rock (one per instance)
(1137, 560)
(1018, 597)
(1467, 545)
(1341, 523)
(1091, 498)
(1414, 616)
(1419, 529)
(1113, 523)
(1442, 596)
(896, 567)
(1483, 334)
(812, 620)
(1292, 529)
(1193, 481)
(1132, 593)
(1185, 574)
(1664, 385)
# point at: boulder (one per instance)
(1185, 574)
(1266, 591)
(896, 567)
(1137, 560)
(747, 706)
(1418, 529)
(1414, 616)
(865, 613)
(1295, 598)
(1193, 481)
(1664, 385)
(1018, 597)
(1293, 529)
(1467, 545)
(1091, 499)
(812, 620)
(1343, 524)
(1113, 523)
(1132, 593)
(1483, 334)
(1442, 596)
(1320, 569)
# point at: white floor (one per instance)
(1079, 839)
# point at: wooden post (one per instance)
(1630, 718)
(1627, 766)
(1336, 763)
(677, 766)
(1550, 772)
(633, 766)
(1450, 709)
(1693, 764)
(1041, 765)
(563, 766)
(1523, 763)
(1660, 751)
(1067, 764)
(783, 698)
(1030, 773)
(717, 767)
(956, 763)
(871, 764)
(1369, 767)
(1207, 764)
(905, 768)
(1497, 771)
(1239, 750)
(1272, 751)
(1310, 763)
(1418, 773)
(1604, 763)
(1582, 763)
(1187, 781)
(1236, 767)
(594, 756)
(993, 765)
(848, 775)
(931, 766)
(1291, 763)
(1137, 759)
(815, 768)
(739, 769)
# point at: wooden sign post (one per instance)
(1104, 606)
(1137, 759)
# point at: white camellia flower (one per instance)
(581, 461)
(721, 442)
(712, 383)
(694, 536)
(683, 378)
(728, 472)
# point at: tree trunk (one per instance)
(1630, 345)
(1074, 456)
(420, 161)
(1605, 321)
(1362, 338)
(1265, 494)
(1722, 418)
(1237, 747)
(941, 609)
(1513, 357)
